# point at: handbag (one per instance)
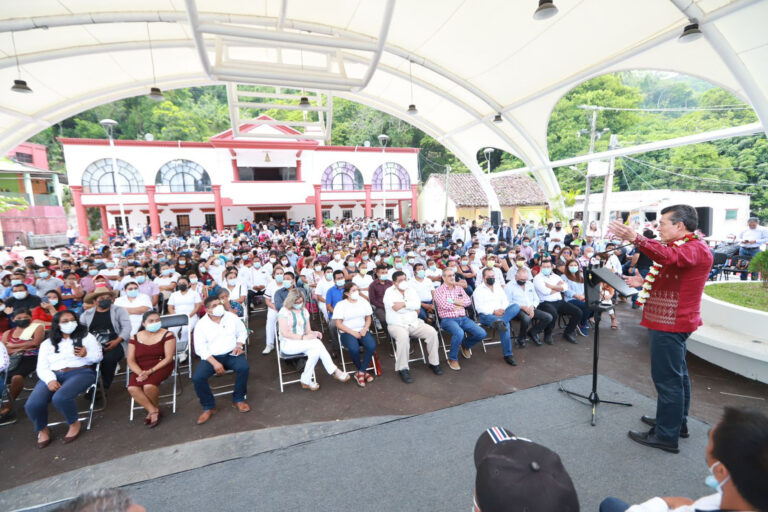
(13, 361)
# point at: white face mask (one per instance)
(68, 327)
(402, 285)
(218, 310)
(354, 295)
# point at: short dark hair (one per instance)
(293, 276)
(338, 273)
(396, 275)
(740, 443)
(683, 213)
(209, 299)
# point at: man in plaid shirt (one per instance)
(451, 299)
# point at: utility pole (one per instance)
(614, 143)
(593, 135)
(447, 177)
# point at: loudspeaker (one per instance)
(705, 219)
(495, 218)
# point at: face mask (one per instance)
(398, 266)
(377, 258)
(287, 284)
(166, 272)
(318, 268)
(433, 267)
(104, 303)
(490, 280)
(465, 262)
(134, 293)
(272, 260)
(14, 282)
(53, 302)
(43, 275)
(522, 282)
(526, 244)
(490, 264)
(279, 278)
(284, 263)
(218, 310)
(365, 257)
(712, 482)
(217, 262)
(354, 295)
(23, 323)
(231, 282)
(182, 287)
(110, 264)
(193, 280)
(68, 327)
(140, 279)
(19, 295)
(98, 260)
(546, 271)
(340, 282)
(154, 327)
(402, 285)
(182, 262)
(573, 269)
(337, 257)
(298, 306)
(420, 274)
(93, 272)
(588, 255)
(202, 269)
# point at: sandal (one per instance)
(312, 387)
(155, 419)
(368, 377)
(360, 379)
(344, 378)
(614, 325)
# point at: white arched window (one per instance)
(99, 178)
(184, 176)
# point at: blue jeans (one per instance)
(238, 364)
(670, 376)
(505, 337)
(353, 345)
(456, 327)
(73, 383)
(747, 253)
(613, 505)
(422, 311)
(585, 312)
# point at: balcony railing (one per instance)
(40, 199)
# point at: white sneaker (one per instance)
(182, 357)
(268, 349)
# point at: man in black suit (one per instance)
(504, 233)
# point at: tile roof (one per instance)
(518, 190)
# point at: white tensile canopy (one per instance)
(469, 60)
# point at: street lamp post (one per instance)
(487, 152)
(109, 125)
(383, 140)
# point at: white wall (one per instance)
(432, 203)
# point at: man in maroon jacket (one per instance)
(672, 311)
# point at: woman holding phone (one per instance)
(66, 366)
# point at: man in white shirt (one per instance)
(402, 304)
(550, 288)
(220, 339)
(461, 232)
(556, 236)
(135, 303)
(735, 457)
(336, 262)
(494, 310)
(520, 291)
(751, 240)
(423, 288)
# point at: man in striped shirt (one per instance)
(451, 299)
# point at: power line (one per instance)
(627, 166)
(703, 168)
(700, 178)
(715, 108)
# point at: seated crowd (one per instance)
(98, 308)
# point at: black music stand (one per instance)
(593, 276)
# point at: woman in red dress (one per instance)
(150, 358)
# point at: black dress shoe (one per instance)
(649, 439)
(406, 376)
(436, 368)
(648, 420)
(570, 337)
(510, 360)
(521, 342)
(535, 339)
(548, 339)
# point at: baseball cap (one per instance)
(514, 473)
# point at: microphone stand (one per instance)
(592, 297)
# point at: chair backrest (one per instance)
(174, 321)
(719, 258)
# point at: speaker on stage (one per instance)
(495, 219)
(705, 219)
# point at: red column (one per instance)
(400, 212)
(368, 212)
(219, 211)
(414, 202)
(104, 222)
(318, 207)
(154, 215)
(82, 217)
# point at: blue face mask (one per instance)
(93, 272)
(340, 282)
(298, 306)
(287, 284)
(279, 278)
(420, 274)
(132, 293)
(141, 279)
(712, 482)
(154, 327)
(329, 277)
(166, 272)
(546, 271)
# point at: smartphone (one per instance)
(77, 343)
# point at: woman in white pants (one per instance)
(272, 286)
(184, 301)
(296, 337)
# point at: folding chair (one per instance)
(375, 364)
(177, 390)
(420, 342)
(96, 387)
(439, 329)
(180, 321)
(488, 340)
(286, 357)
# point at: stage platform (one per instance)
(419, 462)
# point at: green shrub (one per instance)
(760, 264)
